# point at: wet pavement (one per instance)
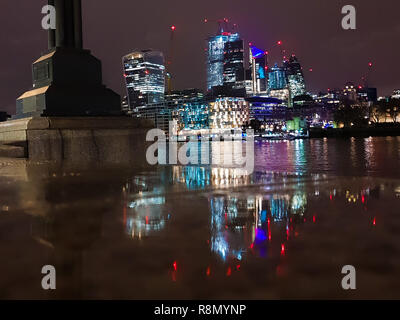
(195, 233)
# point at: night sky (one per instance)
(309, 28)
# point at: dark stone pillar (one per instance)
(69, 23)
(52, 33)
(60, 31)
(67, 82)
(78, 24)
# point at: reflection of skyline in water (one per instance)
(254, 222)
(212, 230)
(240, 223)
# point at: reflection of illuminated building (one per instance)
(144, 212)
(298, 203)
(279, 207)
(144, 216)
(232, 177)
(239, 223)
(196, 177)
(231, 227)
(192, 177)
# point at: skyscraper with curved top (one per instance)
(295, 77)
(144, 73)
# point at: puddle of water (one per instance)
(196, 233)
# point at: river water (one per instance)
(201, 232)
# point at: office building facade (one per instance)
(189, 108)
(216, 58)
(144, 73)
(295, 77)
(227, 113)
(234, 64)
(258, 68)
(277, 78)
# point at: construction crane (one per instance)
(223, 25)
(170, 58)
(282, 49)
(368, 75)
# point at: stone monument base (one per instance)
(86, 140)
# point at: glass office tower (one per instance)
(258, 67)
(277, 78)
(216, 58)
(295, 77)
(234, 64)
(144, 73)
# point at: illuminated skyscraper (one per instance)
(277, 78)
(258, 66)
(234, 64)
(295, 77)
(216, 58)
(144, 73)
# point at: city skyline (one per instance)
(336, 56)
(171, 153)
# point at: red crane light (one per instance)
(370, 64)
(279, 43)
(173, 28)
